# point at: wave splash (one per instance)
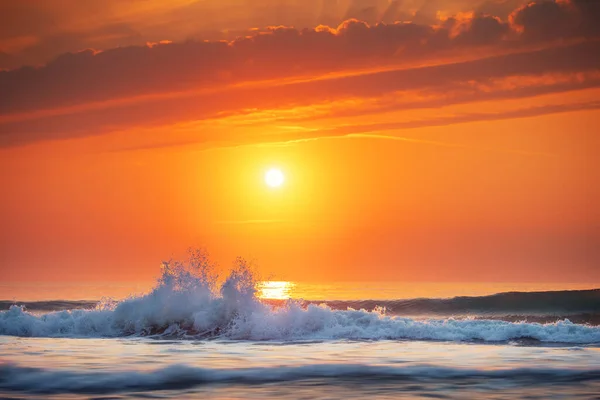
(190, 302)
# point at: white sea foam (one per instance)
(187, 303)
(288, 323)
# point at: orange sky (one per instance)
(421, 140)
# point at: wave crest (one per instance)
(189, 301)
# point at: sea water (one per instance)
(194, 336)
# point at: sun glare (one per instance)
(274, 177)
(275, 290)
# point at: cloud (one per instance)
(481, 31)
(544, 19)
(273, 54)
(462, 60)
(499, 8)
(457, 119)
(517, 75)
(5, 59)
(395, 131)
(72, 25)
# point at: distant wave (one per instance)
(50, 305)
(520, 303)
(187, 303)
(533, 304)
(45, 381)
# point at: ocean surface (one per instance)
(194, 336)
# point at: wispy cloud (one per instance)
(412, 140)
(396, 131)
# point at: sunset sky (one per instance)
(420, 140)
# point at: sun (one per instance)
(274, 177)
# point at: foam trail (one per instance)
(37, 380)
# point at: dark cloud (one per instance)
(68, 25)
(173, 82)
(5, 60)
(278, 53)
(281, 52)
(481, 30)
(451, 83)
(499, 8)
(560, 19)
(545, 19)
(589, 14)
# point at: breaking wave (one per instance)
(188, 302)
(38, 380)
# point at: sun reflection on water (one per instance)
(276, 290)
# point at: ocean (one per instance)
(195, 336)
